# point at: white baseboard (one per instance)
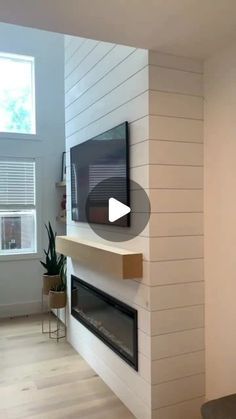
(20, 309)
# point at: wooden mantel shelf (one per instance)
(111, 260)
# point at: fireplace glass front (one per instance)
(112, 321)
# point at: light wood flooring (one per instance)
(42, 379)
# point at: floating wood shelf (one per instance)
(111, 260)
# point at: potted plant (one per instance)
(53, 263)
(57, 294)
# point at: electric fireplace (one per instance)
(112, 321)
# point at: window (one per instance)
(17, 99)
(17, 207)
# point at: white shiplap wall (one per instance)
(105, 85)
(176, 242)
(161, 97)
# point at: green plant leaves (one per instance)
(53, 263)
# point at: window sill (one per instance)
(21, 256)
(17, 136)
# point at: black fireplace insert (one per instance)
(112, 321)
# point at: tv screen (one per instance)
(99, 171)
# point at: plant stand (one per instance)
(60, 331)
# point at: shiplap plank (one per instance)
(176, 214)
(139, 154)
(175, 104)
(172, 248)
(140, 175)
(166, 153)
(177, 153)
(177, 391)
(175, 129)
(101, 69)
(175, 62)
(75, 61)
(98, 52)
(177, 319)
(139, 130)
(176, 224)
(177, 367)
(126, 69)
(127, 234)
(177, 177)
(72, 44)
(123, 94)
(178, 343)
(130, 111)
(176, 271)
(188, 409)
(177, 295)
(175, 81)
(171, 200)
(144, 344)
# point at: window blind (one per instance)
(17, 183)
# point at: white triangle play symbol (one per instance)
(117, 210)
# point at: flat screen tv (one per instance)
(99, 171)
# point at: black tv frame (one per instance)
(127, 157)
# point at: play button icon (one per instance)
(115, 215)
(117, 210)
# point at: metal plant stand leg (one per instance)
(60, 331)
(43, 313)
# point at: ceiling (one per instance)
(194, 28)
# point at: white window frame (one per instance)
(19, 135)
(25, 255)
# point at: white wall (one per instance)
(161, 97)
(20, 279)
(220, 225)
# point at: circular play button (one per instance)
(116, 214)
(116, 209)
